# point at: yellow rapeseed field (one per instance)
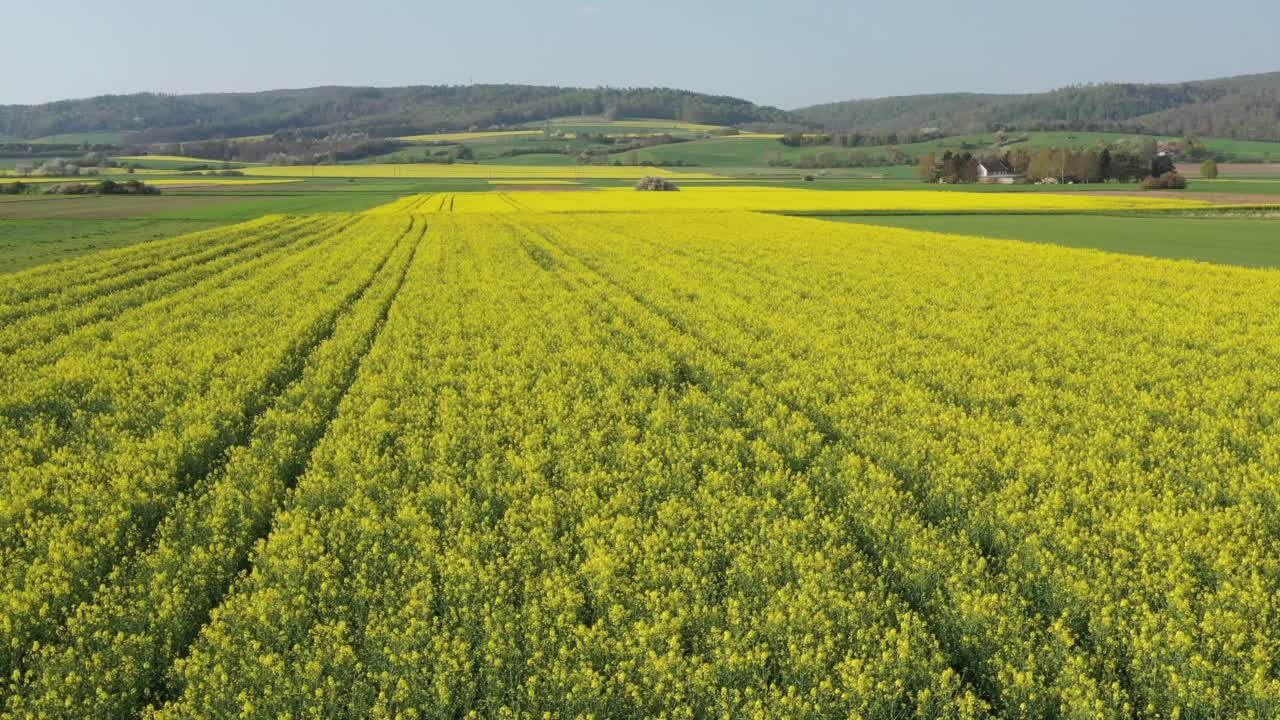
(700, 199)
(505, 463)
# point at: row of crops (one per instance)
(721, 464)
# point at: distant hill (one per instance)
(1246, 107)
(379, 111)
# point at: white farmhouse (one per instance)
(995, 172)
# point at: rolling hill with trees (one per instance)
(1244, 107)
(381, 112)
(360, 121)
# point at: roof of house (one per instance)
(995, 167)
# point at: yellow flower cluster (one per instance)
(627, 464)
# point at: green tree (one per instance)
(967, 168)
(1043, 165)
(947, 170)
(925, 168)
(1147, 151)
(1209, 170)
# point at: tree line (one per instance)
(857, 139)
(379, 112)
(1061, 165)
(1245, 107)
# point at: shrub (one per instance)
(106, 187)
(1167, 181)
(74, 188)
(652, 183)
(128, 187)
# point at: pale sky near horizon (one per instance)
(785, 54)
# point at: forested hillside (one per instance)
(1244, 107)
(377, 111)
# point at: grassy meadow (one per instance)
(31, 242)
(1234, 241)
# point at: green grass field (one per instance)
(1250, 186)
(38, 229)
(1232, 241)
(624, 126)
(556, 159)
(495, 151)
(155, 164)
(728, 152)
(27, 243)
(224, 205)
(87, 138)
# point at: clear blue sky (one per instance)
(788, 54)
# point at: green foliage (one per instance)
(385, 112)
(652, 183)
(1235, 241)
(1236, 107)
(1166, 181)
(27, 243)
(926, 167)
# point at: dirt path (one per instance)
(1217, 198)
